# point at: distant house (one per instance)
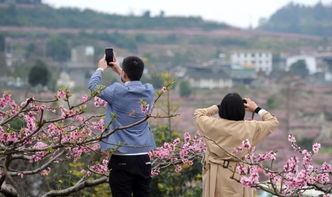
(205, 77)
(82, 57)
(309, 60)
(81, 65)
(279, 63)
(261, 61)
(243, 76)
(326, 60)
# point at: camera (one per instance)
(244, 102)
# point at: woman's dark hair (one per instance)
(232, 107)
(133, 66)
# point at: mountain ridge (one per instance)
(301, 19)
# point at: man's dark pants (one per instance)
(130, 176)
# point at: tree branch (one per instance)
(77, 187)
(29, 100)
(37, 170)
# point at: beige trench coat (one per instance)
(229, 135)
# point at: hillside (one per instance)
(29, 15)
(296, 18)
(29, 29)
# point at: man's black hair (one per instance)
(232, 107)
(133, 66)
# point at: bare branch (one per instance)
(77, 187)
(37, 170)
(8, 191)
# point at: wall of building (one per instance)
(210, 83)
(260, 61)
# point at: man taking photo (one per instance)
(130, 165)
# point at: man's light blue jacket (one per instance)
(124, 101)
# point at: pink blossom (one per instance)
(183, 153)
(60, 94)
(40, 145)
(323, 178)
(86, 172)
(315, 148)
(144, 108)
(65, 113)
(155, 172)
(2, 135)
(20, 175)
(99, 125)
(178, 168)
(95, 147)
(271, 155)
(164, 89)
(5, 100)
(99, 102)
(186, 137)
(326, 167)
(79, 118)
(12, 137)
(307, 157)
(40, 107)
(30, 121)
(45, 172)
(54, 130)
(176, 141)
(40, 154)
(84, 98)
(252, 179)
(3, 103)
(101, 168)
(291, 165)
(241, 169)
(51, 109)
(291, 138)
(246, 144)
(185, 161)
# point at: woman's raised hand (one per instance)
(250, 105)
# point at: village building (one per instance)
(81, 65)
(243, 76)
(261, 61)
(309, 60)
(206, 77)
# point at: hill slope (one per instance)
(296, 18)
(45, 16)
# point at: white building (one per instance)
(261, 61)
(309, 60)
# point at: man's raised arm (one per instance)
(96, 78)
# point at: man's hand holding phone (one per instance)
(115, 65)
(109, 60)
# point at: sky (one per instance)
(240, 13)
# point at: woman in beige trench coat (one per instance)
(228, 131)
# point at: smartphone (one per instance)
(109, 56)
